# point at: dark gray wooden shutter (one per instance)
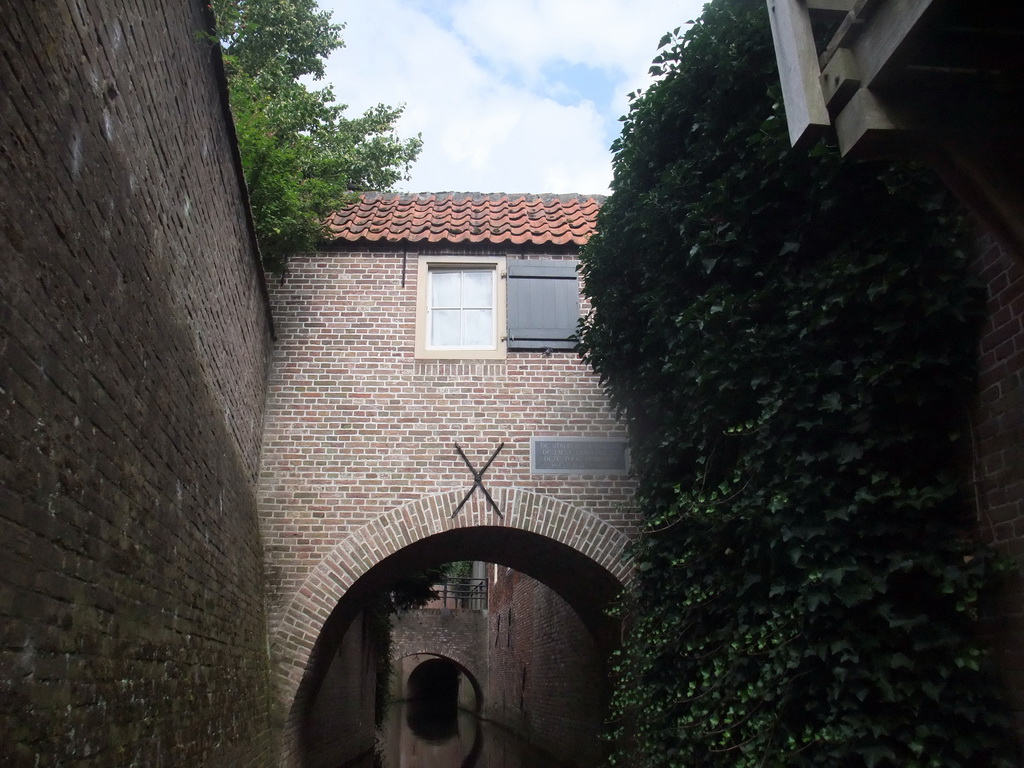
(543, 304)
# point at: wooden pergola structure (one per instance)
(938, 79)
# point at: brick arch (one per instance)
(452, 635)
(525, 512)
(465, 665)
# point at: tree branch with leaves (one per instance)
(302, 157)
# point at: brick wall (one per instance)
(998, 436)
(546, 677)
(359, 467)
(133, 347)
(356, 426)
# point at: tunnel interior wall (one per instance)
(547, 679)
(340, 723)
(134, 340)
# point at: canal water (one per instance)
(415, 736)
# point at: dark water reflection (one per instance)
(417, 736)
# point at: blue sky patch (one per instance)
(573, 83)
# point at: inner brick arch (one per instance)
(473, 676)
(574, 552)
(454, 638)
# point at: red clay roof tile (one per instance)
(453, 217)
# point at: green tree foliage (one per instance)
(460, 569)
(302, 157)
(790, 339)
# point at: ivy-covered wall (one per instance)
(791, 339)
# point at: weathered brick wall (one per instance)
(998, 436)
(133, 348)
(459, 635)
(546, 677)
(357, 426)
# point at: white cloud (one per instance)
(605, 34)
(483, 83)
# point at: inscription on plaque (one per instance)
(578, 455)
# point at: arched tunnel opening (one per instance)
(545, 648)
(414, 680)
(435, 683)
(433, 696)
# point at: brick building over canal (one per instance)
(434, 324)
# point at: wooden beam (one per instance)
(797, 58)
(849, 30)
(837, 6)
(891, 36)
(840, 80)
(867, 127)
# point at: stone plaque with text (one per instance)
(578, 455)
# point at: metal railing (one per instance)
(463, 592)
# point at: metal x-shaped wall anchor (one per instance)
(478, 481)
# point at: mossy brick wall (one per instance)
(133, 346)
(998, 438)
(547, 678)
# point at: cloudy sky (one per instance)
(508, 96)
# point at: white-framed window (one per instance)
(461, 307)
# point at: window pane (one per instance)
(477, 286)
(444, 328)
(478, 328)
(444, 289)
